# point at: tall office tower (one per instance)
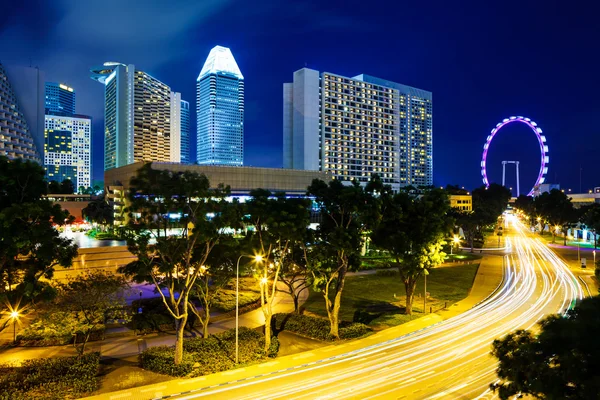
(185, 132)
(21, 113)
(355, 127)
(60, 98)
(67, 151)
(137, 115)
(220, 110)
(175, 142)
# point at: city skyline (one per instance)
(479, 73)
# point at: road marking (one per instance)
(303, 355)
(194, 380)
(235, 371)
(152, 389)
(118, 396)
(407, 381)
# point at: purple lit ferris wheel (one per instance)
(544, 159)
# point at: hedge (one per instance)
(317, 328)
(51, 378)
(203, 356)
(31, 338)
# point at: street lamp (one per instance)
(455, 241)
(594, 253)
(15, 316)
(257, 258)
(425, 292)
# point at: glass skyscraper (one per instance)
(220, 110)
(137, 115)
(185, 132)
(59, 98)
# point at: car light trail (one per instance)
(447, 360)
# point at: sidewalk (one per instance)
(488, 277)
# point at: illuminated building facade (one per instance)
(59, 98)
(175, 142)
(67, 149)
(185, 132)
(21, 113)
(137, 115)
(355, 127)
(220, 110)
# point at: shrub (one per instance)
(161, 359)
(317, 328)
(216, 353)
(51, 378)
(387, 272)
(33, 337)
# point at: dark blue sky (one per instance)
(483, 61)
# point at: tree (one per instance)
(30, 246)
(99, 211)
(490, 202)
(278, 223)
(470, 222)
(556, 208)
(561, 362)
(591, 219)
(91, 299)
(54, 187)
(174, 262)
(525, 205)
(294, 274)
(337, 243)
(67, 187)
(214, 276)
(455, 189)
(412, 229)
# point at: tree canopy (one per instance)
(561, 362)
(30, 246)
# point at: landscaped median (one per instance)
(378, 299)
(216, 353)
(51, 378)
(317, 328)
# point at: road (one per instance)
(449, 360)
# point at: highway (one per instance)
(449, 360)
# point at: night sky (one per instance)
(483, 61)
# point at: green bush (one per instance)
(33, 337)
(161, 359)
(225, 299)
(317, 328)
(216, 353)
(387, 272)
(51, 378)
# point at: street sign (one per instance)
(583, 263)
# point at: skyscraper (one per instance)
(137, 115)
(355, 127)
(175, 142)
(220, 110)
(185, 132)
(21, 113)
(60, 98)
(68, 149)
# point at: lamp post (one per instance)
(594, 253)
(455, 241)
(425, 292)
(257, 258)
(14, 315)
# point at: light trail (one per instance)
(450, 359)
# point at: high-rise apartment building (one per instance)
(59, 98)
(68, 149)
(137, 115)
(355, 127)
(220, 110)
(22, 113)
(175, 127)
(185, 132)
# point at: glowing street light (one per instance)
(257, 258)
(263, 281)
(15, 316)
(455, 241)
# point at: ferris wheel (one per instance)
(544, 158)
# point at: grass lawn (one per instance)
(465, 255)
(384, 296)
